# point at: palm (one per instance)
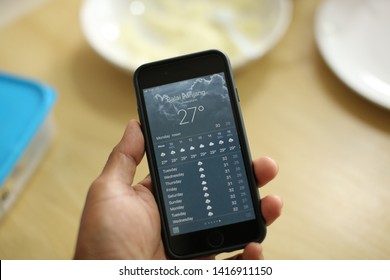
(127, 219)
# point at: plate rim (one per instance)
(347, 77)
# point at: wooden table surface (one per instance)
(333, 146)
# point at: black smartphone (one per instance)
(198, 155)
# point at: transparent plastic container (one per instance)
(26, 130)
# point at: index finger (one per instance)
(265, 170)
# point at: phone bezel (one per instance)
(235, 236)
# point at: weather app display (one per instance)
(200, 166)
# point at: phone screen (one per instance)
(198, 154)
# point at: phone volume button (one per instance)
(238, 96)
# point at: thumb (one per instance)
(126, 155)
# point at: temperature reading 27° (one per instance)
(188, 115)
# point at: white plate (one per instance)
(354, 38)
(131, 32)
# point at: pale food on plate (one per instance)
(129, 33)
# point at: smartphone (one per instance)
(198, 155)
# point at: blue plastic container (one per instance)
(26, 130)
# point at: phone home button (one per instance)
(215, 239)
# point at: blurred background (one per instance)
(314, 95)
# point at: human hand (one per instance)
(121, 219)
